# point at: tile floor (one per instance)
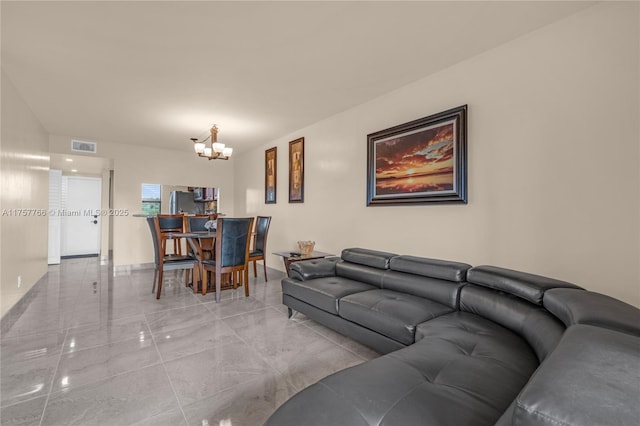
(91, 348)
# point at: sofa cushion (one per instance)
(369, 338)
(479, 337)
(458, 374)
(373, 258)
(441, 291)
(435, 268)
(390, 313)
(522, 284)
(323, 293)
(592, 378)
(538, 327)
(317, 405)
(587, 307)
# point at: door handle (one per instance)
(95, 222)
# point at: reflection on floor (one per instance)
(91, 348)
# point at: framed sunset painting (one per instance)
(423, 161)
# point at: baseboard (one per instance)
(79, 256)
(14, 312)
(126, 269)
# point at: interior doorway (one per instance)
(83, 167)
(81, 216)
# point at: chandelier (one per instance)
(215, 150)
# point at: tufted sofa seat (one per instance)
(464, 346)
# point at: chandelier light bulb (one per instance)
(218, 147)
(199, 147)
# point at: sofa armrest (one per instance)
(590, 379)
(587, 307)
(306, 270)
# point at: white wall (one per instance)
(638, 123)
(24, 184)
(134, 165)
(553, 144)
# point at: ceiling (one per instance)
(157, 73)
(79, 164)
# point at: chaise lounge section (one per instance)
(464, 346)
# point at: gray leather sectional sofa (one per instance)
(464, 346)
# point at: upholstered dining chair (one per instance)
(260, 247)
(172, 223)
(231, 254)
(171, 262)
(196, 223)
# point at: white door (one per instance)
(81, 215)
(55, 206)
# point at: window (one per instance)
(151, 198)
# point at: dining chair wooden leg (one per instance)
(200, 280)
(245, 272)
(264, 263)
(205, 281)
(218, 286)
(160, 279)
(255, 269)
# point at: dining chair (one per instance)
(260, 244)
(164, 262)
(172, 223)
(231, 254)
(196, 223)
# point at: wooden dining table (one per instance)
(199, 241)
(202, 244)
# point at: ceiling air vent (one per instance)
(83, 146)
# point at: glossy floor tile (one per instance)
(85, 366)
(118, 400)
(251, 403)
(94, 347)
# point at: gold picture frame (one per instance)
(296, 171)
(270, 175)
